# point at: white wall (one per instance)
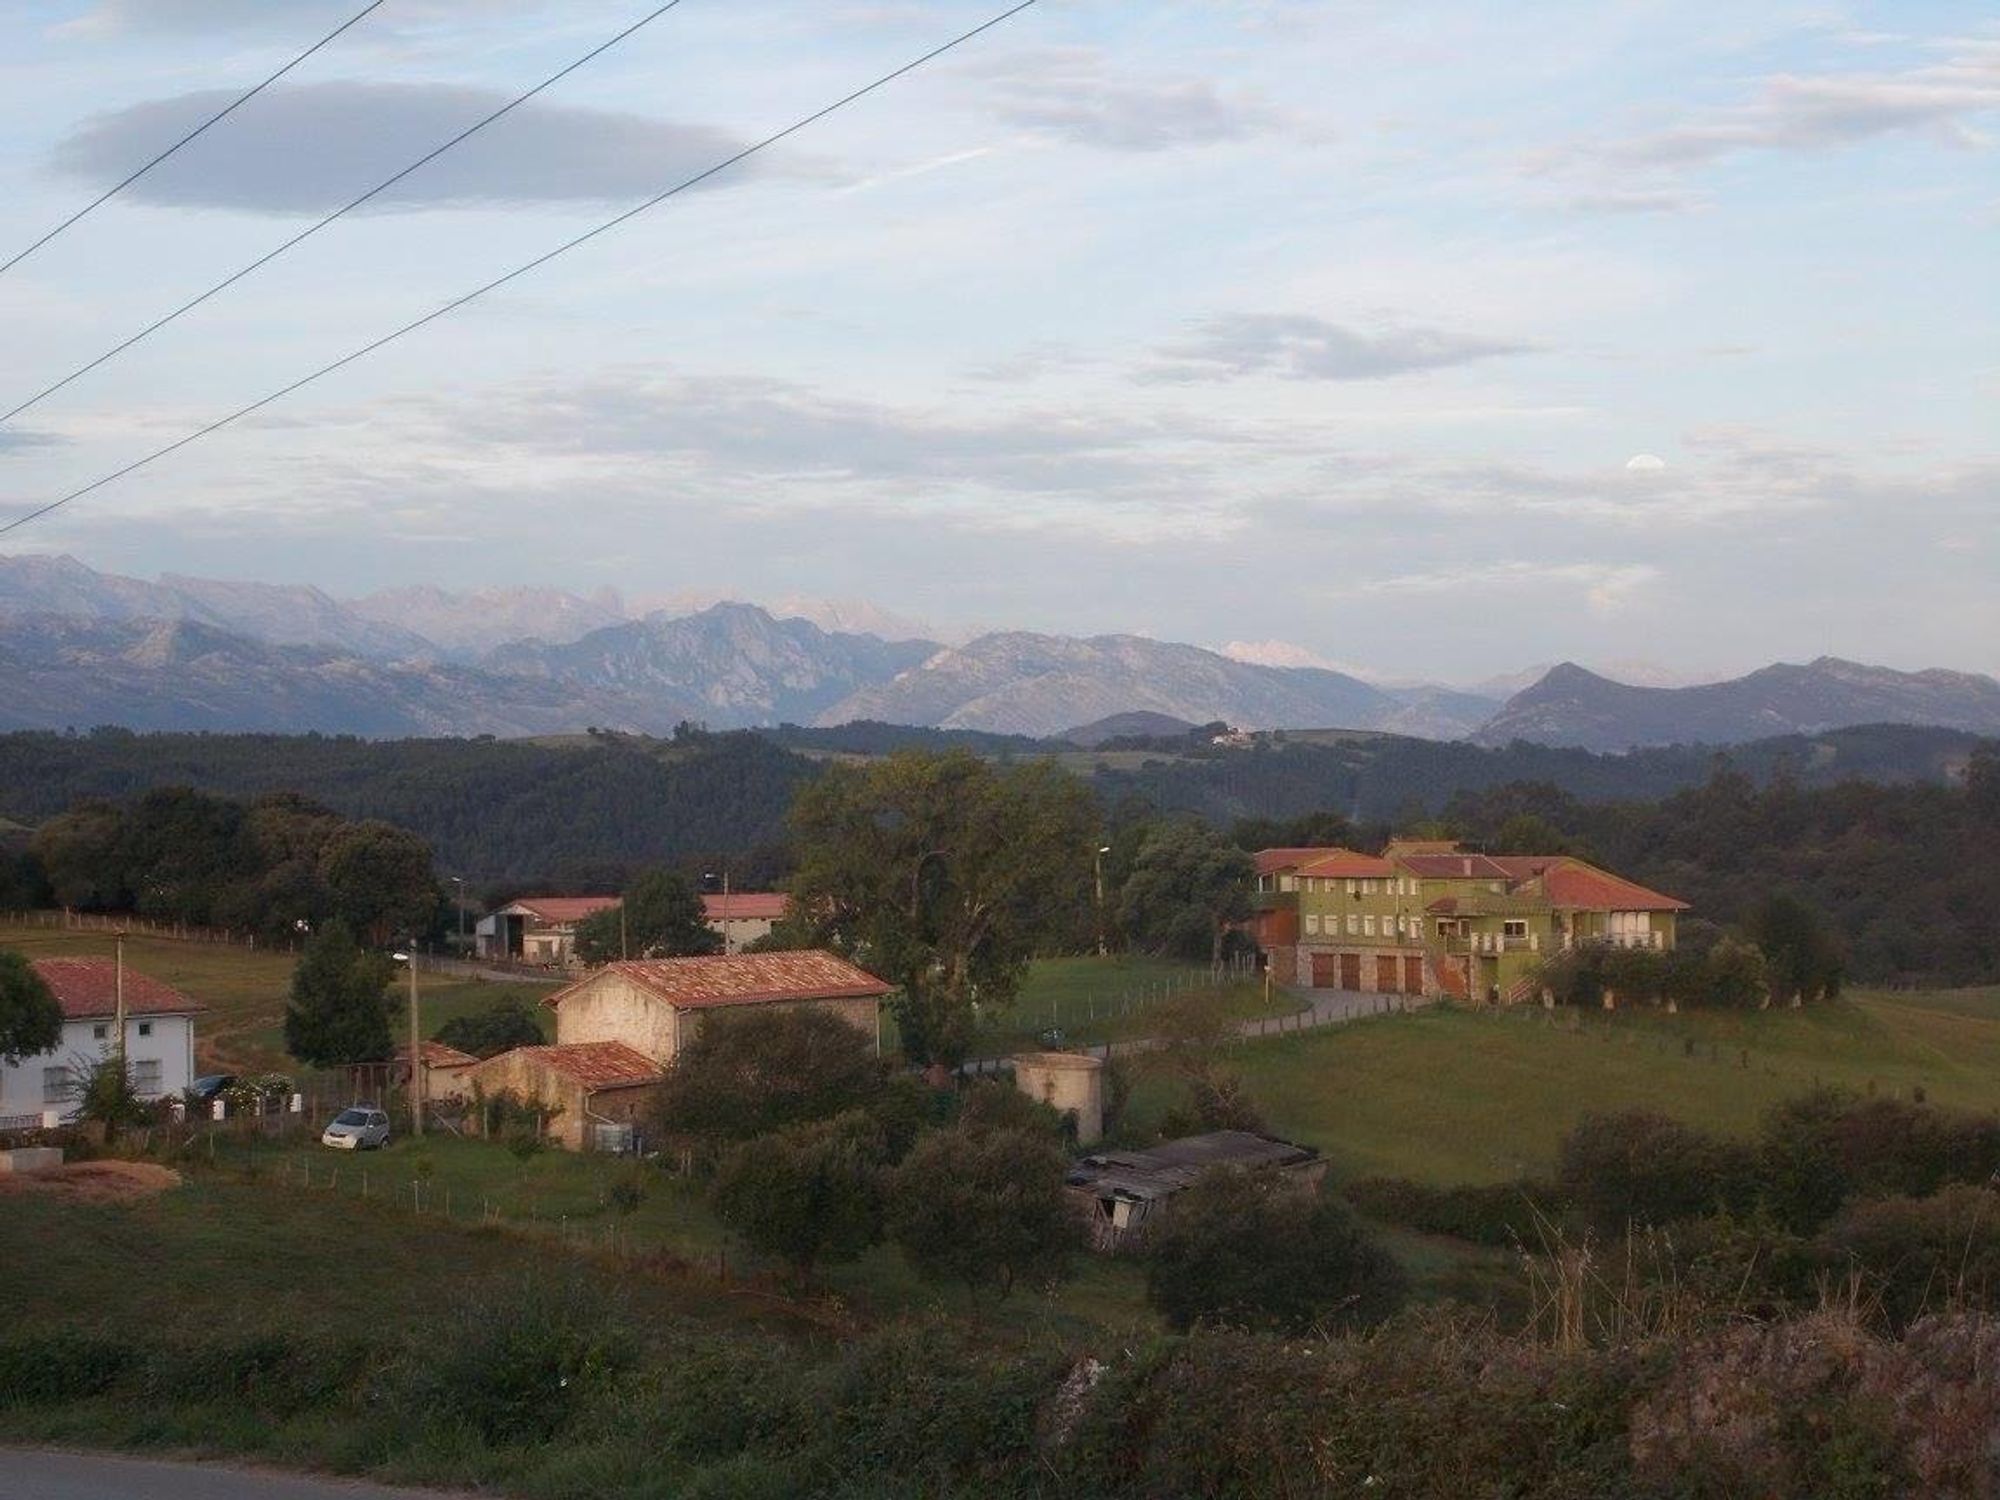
(165, 1040)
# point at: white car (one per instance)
(357, 1129)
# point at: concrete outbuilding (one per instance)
(1071, 1083)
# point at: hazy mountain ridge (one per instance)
(733, 665)
(1573, 706)
(1018, 682)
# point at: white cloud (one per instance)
(1074, 94)
(1299, 347)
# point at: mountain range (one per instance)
(80, 648)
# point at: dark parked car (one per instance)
(209, 1085)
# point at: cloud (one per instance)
(1606, 588)
(1823, 112)
(235, 18)
(1297, 347)
(1279, 654)
(311, 147)
(1070, 94)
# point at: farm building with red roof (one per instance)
(159, 1037)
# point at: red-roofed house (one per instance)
(741, 917)
(583, 1085)
(159, 1035)
(538, 929)
(1427, 918)
(650, 1008)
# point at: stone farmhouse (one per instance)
(542, 929)
(619, 1027)
(1430, 918)
(159, 1037)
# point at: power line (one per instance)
(519, 271)
(346, 208)
(214, 119)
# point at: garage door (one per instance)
(1413, 976)
(1350, 971)
(1326, 973)
(1385, 973)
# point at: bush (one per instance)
(986, 1209)
(1919, 1255)
(806, 1195)
(748, 1075)
(1261, 1250)
(1826, 1147)
(48, 1369)
(516, 1363)
(1638, 1168)
(1501, 1214)
(717, 1397)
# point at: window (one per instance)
(55, 1085)
(1368, 926)
(100, 1033)
(1288, 882)
(1514, 928)
(1353, 888)
(1312, 924)
(1353, 925)
(146, 1076)
(145, 1028)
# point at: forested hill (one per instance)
(499, 811)
(582, 812)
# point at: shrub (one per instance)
(806, 1195)
(1261, 1250)
(1919, 1255)
(1638, 1168)
(989, 1104)
(984, 1209)
(1823, 1148)
(48, 1369)
(515, 1363)
(718, 1396)
(748, 1075)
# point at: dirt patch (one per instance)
(94, 1181)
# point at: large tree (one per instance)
(661, 917)
(30, 1019)
(340, 1009)
(942, 874)
(487, 1033)
(1188, 885)
(764, 1070)
(378, 880)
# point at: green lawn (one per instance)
(245, 990)
(1450, 1095)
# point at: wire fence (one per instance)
(114, 924)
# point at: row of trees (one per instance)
(274, 866)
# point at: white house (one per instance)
(159, 1037)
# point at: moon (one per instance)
(1645, 463)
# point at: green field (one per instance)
(1450, 1095)
(245, 990)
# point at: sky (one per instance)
(1433, 338)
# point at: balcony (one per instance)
(1492, 943)
(1263, 901)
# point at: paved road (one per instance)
(34, 1475)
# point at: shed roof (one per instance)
(1165, 1169)
(595, 1065)
(438, 1055)
(87, 988)
(560, 911)
(739, 979)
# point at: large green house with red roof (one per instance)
(1428, 918)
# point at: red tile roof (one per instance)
(1346, 864)
(87, 988)
(438, 1055)
(595, 1065)
(1271, 861)
(1526, 866)
(742, 979)
(1583, 887)
(1453, 866)
(745, 906)
(562, 911)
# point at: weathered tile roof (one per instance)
(438, 1055)
(1453, 866)
(1584, 887)
(87, 988)
(739, 979)
(1271, 861)
(1163, 1170)
(595, 1065)
(1347, 864)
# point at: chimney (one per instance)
(1468, 866)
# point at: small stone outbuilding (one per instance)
(1118, 1192)
(582, 1085)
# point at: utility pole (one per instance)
(728, 942)
(1098, 862)
(118, 991)
(459, 881)
(416, 1048)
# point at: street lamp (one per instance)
(459, 881)
(1098, 863)
(416, 1058)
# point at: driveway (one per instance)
(27, 1474)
